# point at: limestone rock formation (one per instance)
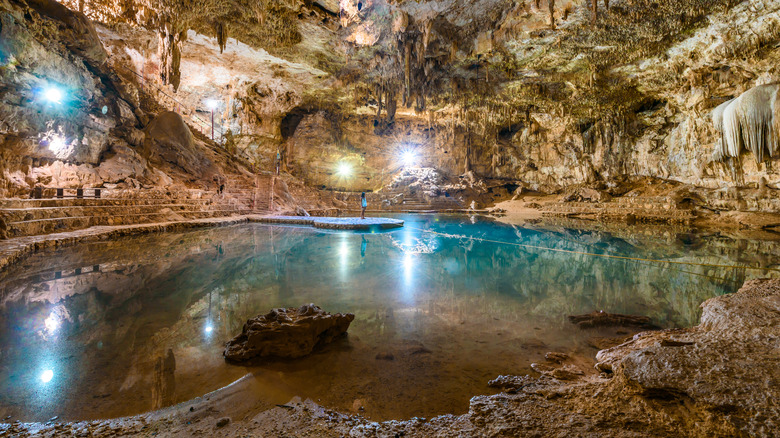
(287, 333)
(168, 139)
(751, 121)
(80, 35)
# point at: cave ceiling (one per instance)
(503, 56)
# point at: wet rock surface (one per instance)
(603, 319)
(287, 333)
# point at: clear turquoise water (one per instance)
(83, 328)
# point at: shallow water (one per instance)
(85, 329)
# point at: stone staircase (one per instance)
(256, 196)
(398, 201)
(29, 217)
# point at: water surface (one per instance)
(85, 330)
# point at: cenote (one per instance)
(454, 300)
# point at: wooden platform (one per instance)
(334, 223)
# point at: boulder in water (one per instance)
(287, 333)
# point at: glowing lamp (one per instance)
(212, 104)
(209, 328)
(409, 158)
(53, 95)
(47, 375)
(57, 144)
(344, 169)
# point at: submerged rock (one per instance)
(287, 333)
(604, 319)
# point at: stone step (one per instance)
(48, 226)
(35, 213)
(74, 202)
(61, 224)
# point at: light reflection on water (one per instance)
(117, 328)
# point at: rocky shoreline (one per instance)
(719, 378)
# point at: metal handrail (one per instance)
(201, 124)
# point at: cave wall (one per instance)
(96, 135)
(547, 155)
(666, 132)
(318, 120)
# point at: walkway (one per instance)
(334, 223)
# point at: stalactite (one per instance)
(221, 29)
(390, 103)
(378, 100)
(169, 51)
(407, 72)
(751, 121)
(594, 4)
(551, 5)
(467, 161)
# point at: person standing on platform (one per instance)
(278, 161)
(363, 205)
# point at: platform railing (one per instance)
(188, 113)
(65, 192)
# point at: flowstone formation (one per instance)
(749, 122)
(287, 333)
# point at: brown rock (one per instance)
(170, 142)
(604, 319)
(567, 372)
(556, 357)
(602, 343)
(385, 356)
(287, 333)
(80, 34)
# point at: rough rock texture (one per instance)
(168, 139)
(98, 134)
(713, 366)
(540, 95)
(287, 333)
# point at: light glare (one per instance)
(52, 323)
(47, 375)
(209, 328)
(53, 95)
(57, 144)
(212, 104)
(344, 169)
(408, 158)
